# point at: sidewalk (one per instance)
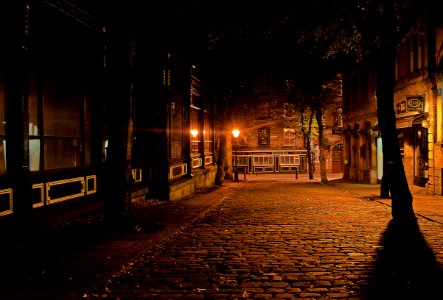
(62, 265)
(426, 206)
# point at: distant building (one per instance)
(271, 140)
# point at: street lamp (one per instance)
(194, 134)
(235, 134)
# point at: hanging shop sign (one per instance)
(411, 104)
(414, 104)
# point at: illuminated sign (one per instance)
(414, 103)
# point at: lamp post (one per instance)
(235, 134)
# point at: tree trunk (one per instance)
(394, 173)
(221, 160)
(307, 142)
(321, 142)
(309, 157)
(384, 187)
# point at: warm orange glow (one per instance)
(236, 133)
(194, 133)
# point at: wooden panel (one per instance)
(6, 197)
(38, 195)
(66, 189)
(91, 184)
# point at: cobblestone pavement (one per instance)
(281, 240)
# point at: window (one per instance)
(207, 133)
(176, 126)
(264, 137)
(289, 159)
(263, 160)
(63, 123)
(195, 111)
(177, 83)
(288, 137)
(421, 151)
(63, 77)
(339, 118)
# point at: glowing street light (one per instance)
(194, 144)
(194, 133)
(235, 134)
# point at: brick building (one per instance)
(418, 109)
(271, 139)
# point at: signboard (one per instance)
(337, 130)
(411, 104)
(414, 104)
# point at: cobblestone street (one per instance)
(286, 240)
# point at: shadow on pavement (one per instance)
(405, 267)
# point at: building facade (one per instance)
(271, 139)
(417, 105)
(77, 106)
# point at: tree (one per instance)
(394, 175)
(307, 120)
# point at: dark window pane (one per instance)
(62, 153)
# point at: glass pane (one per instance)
(87, 152)
(34, 155)
(207, 134)
(62, 104)
(62, 153)
(2, 156)
(194, 131)
(88, 117)
(33, 105)
(176, 126)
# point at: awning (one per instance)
(408, 121)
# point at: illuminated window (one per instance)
(195, 112)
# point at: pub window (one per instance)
(195, 111)
(34, 124)
(62, 79)
(63, 144)
(264, 137)
(195, 134)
